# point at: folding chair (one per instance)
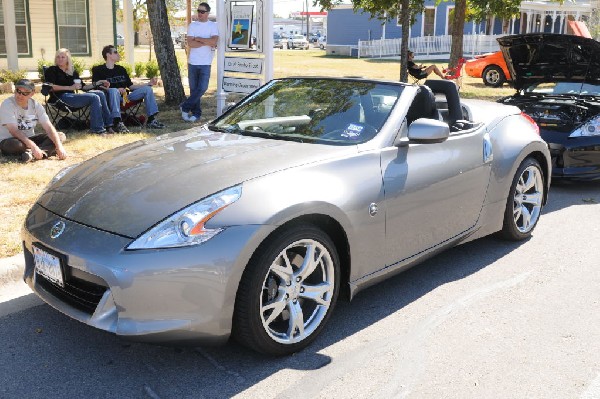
(64, 116)
(455, 73)
(130, 113)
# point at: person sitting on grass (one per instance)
(118, 78)
(18, 116)
(421, 71)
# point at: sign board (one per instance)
(238, 85)
(245, 65)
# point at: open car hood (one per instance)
(547, 57)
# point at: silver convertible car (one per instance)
(253, 225)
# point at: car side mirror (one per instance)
(427, 131)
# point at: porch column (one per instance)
(128, 31)
(10, 35)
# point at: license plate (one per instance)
(48, 266)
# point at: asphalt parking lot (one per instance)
(488, 319)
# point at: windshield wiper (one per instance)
(225, 129)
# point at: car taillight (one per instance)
(530, 119)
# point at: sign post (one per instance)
(243, 64)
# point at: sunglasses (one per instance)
(203, 11)
(23, 93)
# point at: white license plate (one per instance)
(48, 266)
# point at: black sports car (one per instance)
(557, 78)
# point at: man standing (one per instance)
(118, 78)
(202, 38)
(18, 116)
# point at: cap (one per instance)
(25, 83)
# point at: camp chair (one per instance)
(130, 110)
(455, 73)
(416, 78)
(63, 116)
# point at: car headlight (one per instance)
(187, 227)
(588, 129)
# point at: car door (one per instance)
(434, 191)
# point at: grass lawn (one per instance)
(21, 183)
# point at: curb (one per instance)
(11, 269)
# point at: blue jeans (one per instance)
(113, 98)
(99, 113)
(147, 94)
(144, 92)
(198, 76)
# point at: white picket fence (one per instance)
(428, 46)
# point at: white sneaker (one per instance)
(185, 115)
(192, 118)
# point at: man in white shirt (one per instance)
(202, 38)
(19, 115)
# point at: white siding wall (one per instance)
(43, 34)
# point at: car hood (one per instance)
(129, 189)
(546, 57)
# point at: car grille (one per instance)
(82, 290)
(80, 294)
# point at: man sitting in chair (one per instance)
(421, 71)
(118, 78)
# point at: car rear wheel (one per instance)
(288, 292)
(524, 203)
(493, 76)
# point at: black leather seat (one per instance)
(423, 106)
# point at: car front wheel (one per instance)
(288, 292)
(493, 76)
(524, 204)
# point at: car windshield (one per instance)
(564, 88)
(332, 111)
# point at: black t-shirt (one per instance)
(117, 76)
(57, 76)
(414, 70)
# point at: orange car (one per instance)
(490, 67)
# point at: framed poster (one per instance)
(241, 26)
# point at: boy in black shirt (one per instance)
(118, 78)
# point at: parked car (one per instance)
(255, 223)
(491, 68)
(322, 42)
(279, 41)
(297, 41)
(120, 40)
(557, 82)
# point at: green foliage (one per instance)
(127, 67)
(79, 65)
(12, 76)
(121, 51)
(480, 10)
(152, 69)
(40, 67)
(98, 63)
(139, 68)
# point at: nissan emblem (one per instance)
(57, 229)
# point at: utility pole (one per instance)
(307, 22)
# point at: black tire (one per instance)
(524, 203)
(493, 76)
(268, 296)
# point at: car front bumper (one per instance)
(174, 295)
(575, 158)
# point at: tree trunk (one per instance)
(165, 52)
(458, 27)
(405, 21)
